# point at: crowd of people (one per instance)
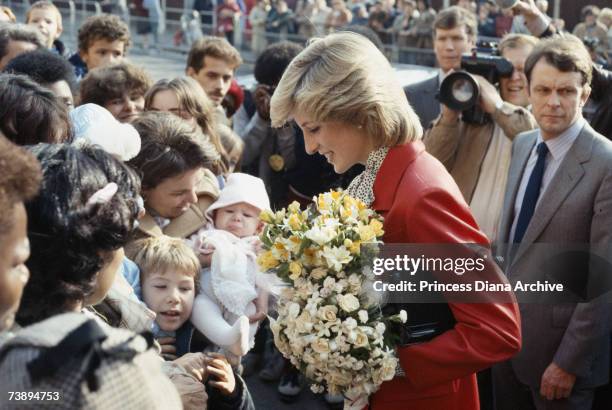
(130, 208)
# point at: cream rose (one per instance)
(328, 313)
(320, 346)
(349, 303)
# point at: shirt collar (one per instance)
(559, 145)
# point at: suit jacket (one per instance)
(576, 208)
(422, 98)
(422, 204)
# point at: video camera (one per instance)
(460, 91)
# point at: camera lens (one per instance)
(462, 90)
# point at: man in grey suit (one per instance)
(455, 31)
(559, 191)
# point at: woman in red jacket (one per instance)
(343, 93)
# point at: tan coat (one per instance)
(192, 220)
(462, 147)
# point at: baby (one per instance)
(233, 295)
(168, 277)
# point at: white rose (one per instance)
(325, 292)
(294, 310)
(363, 316)
(361, 339)
(304, 323)
(348, 303)
(350, 323)
(320, 346)
(380, 328)
(387, 370)
(328, 313)
(329, 283)
(403, 316)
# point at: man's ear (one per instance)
(586, 92)
(191, 72)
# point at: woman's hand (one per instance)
(194, 364)
(222, 375)
(168, 348)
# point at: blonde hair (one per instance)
(605, 17)
(516, 40)
(45, 5)
(163, 254)
(192, 99)
(9, 13)
(344, 77)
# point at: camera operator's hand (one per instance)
(449, 117)
(527, 8)
(262, 97)
(536, 21)
(489, 96)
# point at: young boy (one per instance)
(169, 272)
(46, 18)
(103, 40)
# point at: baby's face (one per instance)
(240, 219)
(170, 295)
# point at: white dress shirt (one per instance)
(558, 148)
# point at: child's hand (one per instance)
(194, 364)
(168, 349)
(261, 308)
(205, 254)
(218, 366)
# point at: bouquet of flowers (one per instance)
(330, 324)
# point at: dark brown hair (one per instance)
(170, 147)
(215, 47)
(455, 16)
(564, 52)
(30, 113)
(105, 27)
(19, 180)
(103, 84)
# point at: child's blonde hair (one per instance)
(44, 4)
(162, 254)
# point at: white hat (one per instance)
(97, 125)
(241, 188)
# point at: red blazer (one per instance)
(422, 204)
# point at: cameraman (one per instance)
(598, 110)
(478, 156)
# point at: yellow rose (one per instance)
(294, 222)
(266, 216)
(294, 207)
(355, 248)
(336, 195)
(366, 233)
(267, 261)
(377, 226)
(296, 269)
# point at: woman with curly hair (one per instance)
(78, 224)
